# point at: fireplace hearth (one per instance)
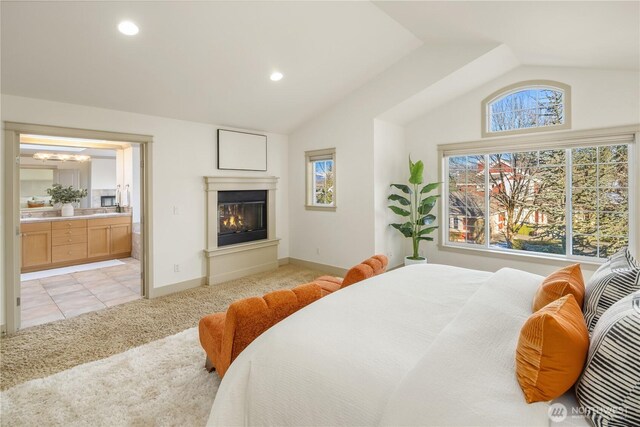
(242, 216)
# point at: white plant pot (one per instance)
(67, 209)
(408, 261)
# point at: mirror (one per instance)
(97, 173)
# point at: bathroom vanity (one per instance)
(51, 242)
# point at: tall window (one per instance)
(572, 201)
(526, 107)
(321, 179)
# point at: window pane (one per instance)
(613, 175)
(600, 219)
(613, 154)
(584, 199)
(466, 199)
(584, 155)
(527, 202)
(323, 182)
(585, 245)
(613, 223)
(585, 175)
(611, 245)
(613, 199)
(552, 157)
(526, 108)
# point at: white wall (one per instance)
(183, 153)
(391, 165)
(347, 236)
(103, 174)
(600, 98)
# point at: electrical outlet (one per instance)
(317, 251)
(176, 211)
(176, 268)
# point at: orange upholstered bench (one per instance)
(224, 335)
(373, 266)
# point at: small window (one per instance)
(527, 107)
(321, 179)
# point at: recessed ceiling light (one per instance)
(276, 76)
(128, 28)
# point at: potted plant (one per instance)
(65, 196)
(415, 206)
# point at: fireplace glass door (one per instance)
(242, 216)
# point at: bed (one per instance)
(420, 345)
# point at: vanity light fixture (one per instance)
(276, 76)
(56, 157)
(128, 28)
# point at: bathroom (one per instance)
(80, 210)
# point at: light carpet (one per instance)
(163, 383)
(44, 350)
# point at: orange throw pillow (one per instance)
(552, 350)
(563, 282)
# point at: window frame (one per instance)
(310, 157)
(517, 87)
(559, 140)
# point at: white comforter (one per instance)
(421, 345)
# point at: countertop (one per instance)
(71, 218)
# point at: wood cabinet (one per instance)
(109, 236)
(120, 238)
(68, 242)
(99, 238)
(36, 244)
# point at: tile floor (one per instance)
(67, 295)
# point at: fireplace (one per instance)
(242, 216)
(241, 226)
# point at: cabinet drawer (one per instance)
(69, 232)
(66, 237)
(69, 252)
(109, 221)
(72, 223)
(27, 227)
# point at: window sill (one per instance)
(510, 254)
(320, 208)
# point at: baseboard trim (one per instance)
(177, 287)
(331, 269)
(283, 261)
(216, 279)
(3, 330)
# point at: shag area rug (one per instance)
(163, 383)
(44, 350)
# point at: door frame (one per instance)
(12, 246)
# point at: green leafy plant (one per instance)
(415, 205)
(64, 195)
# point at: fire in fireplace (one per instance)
(242, 216)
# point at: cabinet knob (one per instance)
(69, 252)
(69, 240)
(25, 234)
(68, 232)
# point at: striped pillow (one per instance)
(609, 388)
(614, 280)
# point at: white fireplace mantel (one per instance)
(234, 261)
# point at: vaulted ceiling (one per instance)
(210, 61)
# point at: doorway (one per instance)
(99, 256)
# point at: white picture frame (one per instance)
(241, 151)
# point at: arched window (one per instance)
(531, 106)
